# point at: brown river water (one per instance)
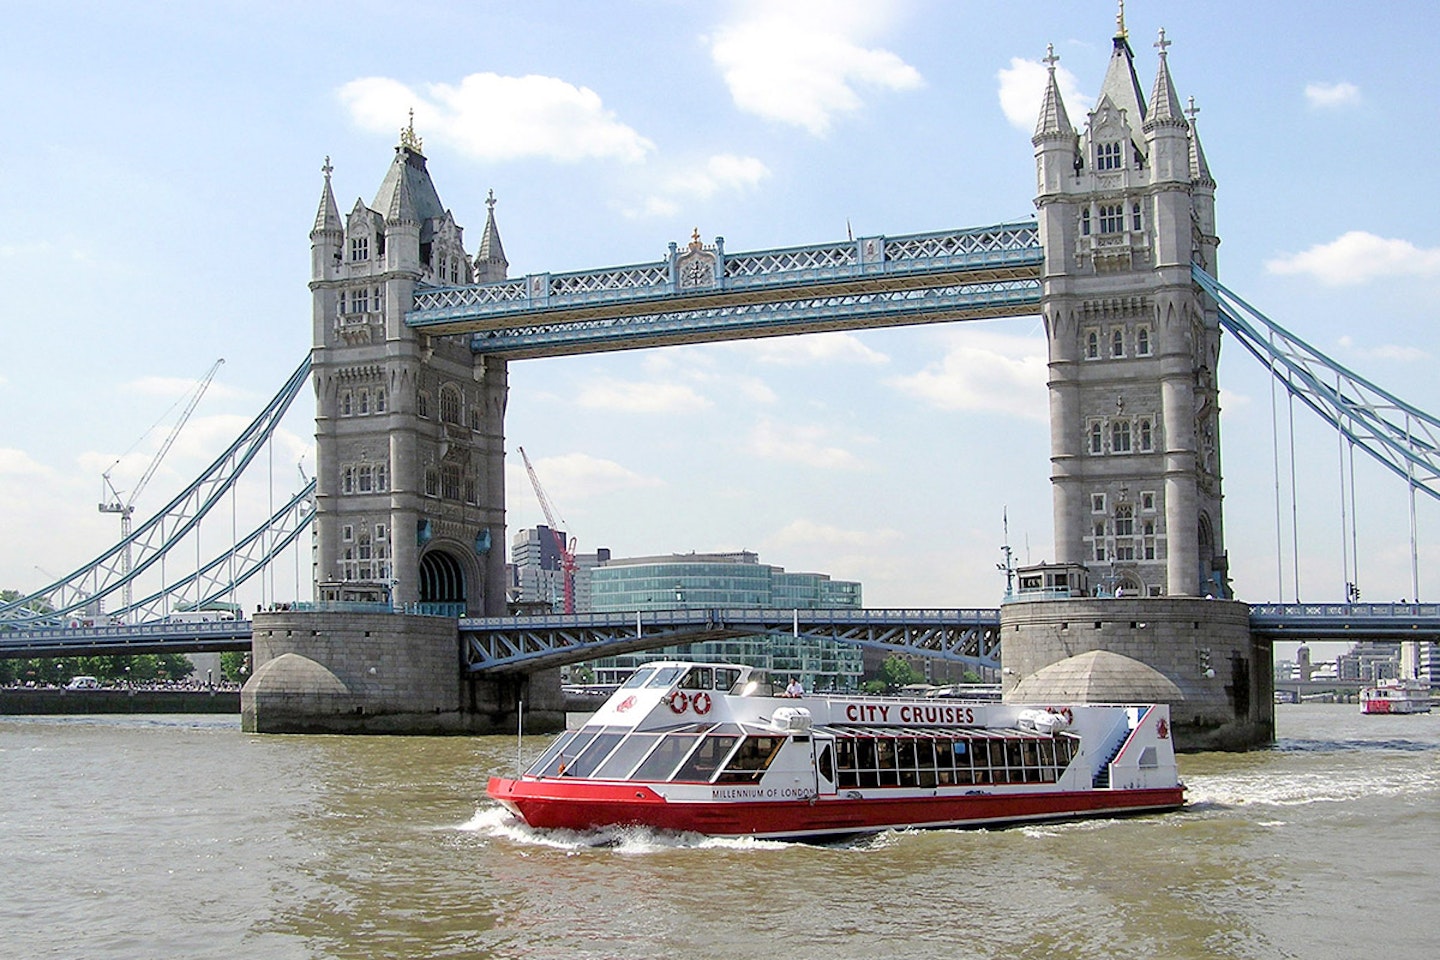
(182, 837)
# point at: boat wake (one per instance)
(500, 824)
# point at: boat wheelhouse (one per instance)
(710, 748)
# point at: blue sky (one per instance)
(163, 171)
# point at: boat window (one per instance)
(751, 760)
(699, 678)
(566, 756)
(706, 759)
(618, 765)
(586, 762)
(726, 678)
(666, 756)
(826, 763)
(637, 679)
(560, 743)
(664, 676)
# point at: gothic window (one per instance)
(347, 480)
(1148, 528)
(450, 482)
(1085, 222)
(470, 490)
(364, 402)
(475, 419)
(1097, 504)
(1112, 218)
(347, 533)
(450, 404)
(1142, 341)
(366, 478)
(1149, 549)
(1097, 437)
(1099, 530)
(1147, 437)
(360, 300)
(1136, 224)
(380, 400)
(1117, 342)
(432, 482)
(1124, 550)
(1147, 501)
(380, 532)
(340, 302)
(382, 478)
(1124, 520)
(1092, 344)
(364, 551)
(1120, 436)
(347, 404)
(1108, 156)
(359, 248)
(422, 404)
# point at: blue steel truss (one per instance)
(1399, 435)
(498, 645)
(867, 282)
(1346, 621)
(82, 594)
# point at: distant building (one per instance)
(736, 579)
(535, 573)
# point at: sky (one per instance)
(164, 170)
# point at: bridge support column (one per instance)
(1217, 678)
(320, 672)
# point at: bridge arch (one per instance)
(443, 577)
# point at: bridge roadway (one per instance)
(499, 645)
(866, 282)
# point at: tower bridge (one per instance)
(413, 336)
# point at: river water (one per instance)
(182, 837)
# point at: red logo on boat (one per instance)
(626, 704)
(702, 703)
(1162, 729)
(679, 701)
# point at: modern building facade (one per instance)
(736, 579)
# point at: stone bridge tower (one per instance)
(409, 427)
(1126, 205)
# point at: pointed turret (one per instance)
(1054, 122)
(1164, 104)
(327, 236)
(1199, 167)
(1121, 84)
(327, 218)
(490, 262)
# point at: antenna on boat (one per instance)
(1008, 566)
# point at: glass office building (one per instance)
(730, 580)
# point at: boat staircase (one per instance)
(1115, 739)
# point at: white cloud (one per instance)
(796, 443)
(985, 371)
(801, 62)
(497, 118)
(1022, 88)
(818, 348)
(807, 533)
(640, 397)
(573, 477)
(1386, 351)
(1322, 96)
(1358, 257)
(723, 172)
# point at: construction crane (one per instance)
(112, 502)
(567, 551)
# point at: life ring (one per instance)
(701, 702)
(1068, 714)
(679, 701)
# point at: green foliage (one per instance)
(234, 666)
(897, 672)
(874, 687)
(971, 676)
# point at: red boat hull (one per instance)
(556, 804)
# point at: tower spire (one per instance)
(1053, 121)
(327, 218)
(490, 262)
(1164, 103)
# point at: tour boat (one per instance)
(1396, 696)
(700, 748)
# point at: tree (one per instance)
(234, 665)
(897, 672)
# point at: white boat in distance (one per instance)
(1396, 696)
